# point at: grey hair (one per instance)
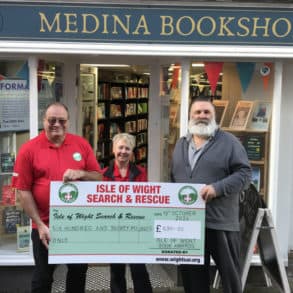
(128, 138)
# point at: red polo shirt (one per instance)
(39, 162)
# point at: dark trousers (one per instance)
(224, 247)
(43, 272)
(139, 274)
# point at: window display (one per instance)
(15, 225)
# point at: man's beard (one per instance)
(202, 128)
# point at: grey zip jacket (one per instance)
(222, 163)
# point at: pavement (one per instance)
(165, 279)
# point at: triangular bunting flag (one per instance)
(245, 72)
(23, 72)
(175, 77)
(213, 70)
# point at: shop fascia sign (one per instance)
(145, 24)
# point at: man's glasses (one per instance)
(52, 121)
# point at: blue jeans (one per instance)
(43, 273)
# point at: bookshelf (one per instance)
(122, 107)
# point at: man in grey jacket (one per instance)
(210, 156)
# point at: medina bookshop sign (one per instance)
(192, 25)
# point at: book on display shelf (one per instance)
(142, 108)
(101, 131)
(241, 115)
(131, 92)
(142, 124)
(220, 109)
(143, 92)
(130, 109)
(254, 146)
(141, 153)
(261, 116)
(141, 138)
(11, 218)
(115, 110)
(116, 92)
(104, 91)
(130, 126)
(7, 162)
(114, 129)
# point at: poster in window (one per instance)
(241, 115)
(87, 87)
(14, 105)
(220, 109)
(261, 115)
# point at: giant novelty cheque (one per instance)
(126, 222)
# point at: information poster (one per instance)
(126, 222)
(14, 105)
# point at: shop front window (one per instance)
(14, 130)
(242, 96)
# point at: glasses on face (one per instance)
(53, 120)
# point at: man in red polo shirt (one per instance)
(53, 155)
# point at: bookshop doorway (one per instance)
(114, 99)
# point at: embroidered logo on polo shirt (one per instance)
(68, 193)
(77, 156)
(187, 195)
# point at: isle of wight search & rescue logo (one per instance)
(68, 193)
(187, 195)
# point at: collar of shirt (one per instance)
(46, 142)
(117, 175)
(194, 153)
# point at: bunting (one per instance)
(213, 70)
(245, 72)
(23, 73)
(265, 72)
(175, 77)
